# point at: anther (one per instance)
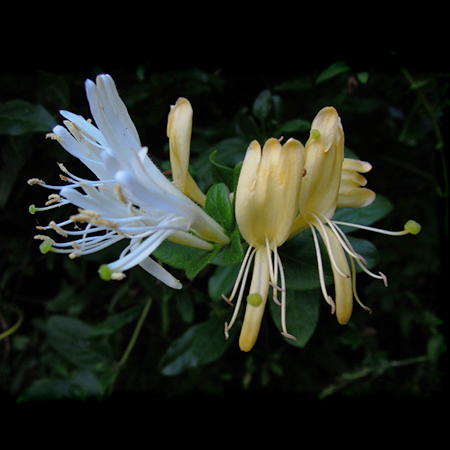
(117, 276)
(62, 168)
(289, 336)
(119, 193)
(275, 286)
(227, 335)
(53, 198)
(33, 181)
(42, 237)
(227, 299)
(384, 277)
(57, 228)
(332, 304)
(54, 137)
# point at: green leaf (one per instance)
(199, 345)
(332, 70)
(222, 281)
(177, 255)
(71, 338)
(221, 174)
(218, 206)
(80, 385)
(299, 259)
(233, 253)
(246, 126)
(185, 305)
(19, 117)
(302, 314)
(197, 264)
(367, 250)
(116, 322)
(263, 105)
(293, 126)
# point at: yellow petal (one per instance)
(342, 285)
(267, 191)
(351, 195)
(179, 128)
(254, 311)
(324, 157)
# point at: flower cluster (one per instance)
(130, 197)
(283, 190)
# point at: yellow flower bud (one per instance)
(179, 128)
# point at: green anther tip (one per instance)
(412, 227)
(315, 134)
(105, 272)
(254, 299)
(45, 247)
(32, 209)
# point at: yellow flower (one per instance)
(330, 182)
(179, 128)
(284, 190)
(266, 207)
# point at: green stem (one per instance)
(347, 378)
(136, 333)
(16, 325)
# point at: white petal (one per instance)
(87, 127)
(150, 198)
(111, 115)
(153, 268)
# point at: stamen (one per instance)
(227, 299)
(411, 227)
(227, 334)
(241, 291)
(33, 181)
(342, 239)
(238, 279)
(42, 237)
(327, 298)
(289, 336)
(273, 274)
(54, 137)
(355, 294)
(274, 296)
(57, 228)
(119, 193)
(328, 245)
(384, 278)
(283, 298)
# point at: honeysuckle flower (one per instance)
(286, 190)
(331, 181)
(130, 199)
(179, 129)
(266, 207)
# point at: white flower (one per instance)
(130, 199)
